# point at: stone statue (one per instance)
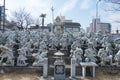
(51, 41)
(76, 44)
(58, 27)
(6, 53)
(99, 37)
(106, 38)
(28, 48)
(117, 58)
(78, 54)
(64, 42)
(39, 57)
(21, 59)
(70, 38)
(58, 30)
(117, 44)
(90, 53)
(109, 49)
(42, 45)
(102, 53)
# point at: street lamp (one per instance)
(96, 15)
(52, 9)
(97, 8)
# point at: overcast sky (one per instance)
(81, 11)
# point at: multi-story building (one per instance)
(2, 17)
(97, 25)
(70, 25)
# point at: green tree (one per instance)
(43, 16)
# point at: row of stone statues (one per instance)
(21, 58)
(85, 46)
(27, 42)
(89, 54)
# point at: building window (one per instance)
(76, 29)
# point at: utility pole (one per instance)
(0, 16)
(52, 9)
(97, 8)
(4, 17)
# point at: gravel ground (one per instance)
(37, 75)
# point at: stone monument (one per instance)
(59, 67)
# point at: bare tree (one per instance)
(114, 8)
(22, 18)
(117, 21)
(116, 4)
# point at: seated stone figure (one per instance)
(90, 53)
(102, 53)
(6, 53)
(63, 41)
(117, 58)
(39, 57)
(78, 54)
(117, 44)
(75, 45)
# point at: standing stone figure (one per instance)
(6, 53)
(21, 59)
(63, 41)
(117, 58)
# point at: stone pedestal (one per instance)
(59, 70)
(73, 67)
(45, 67)
(88, 64)
(111, 59)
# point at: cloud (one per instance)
(85, 4)
(1, 2)
(114, 17)
(67, 6)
